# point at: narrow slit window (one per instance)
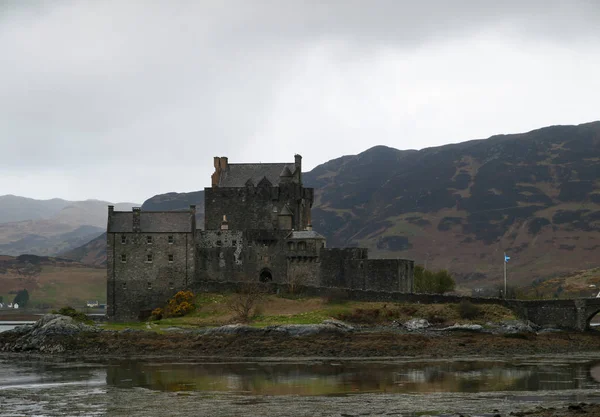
(149, 258)
(171, 285)
(123, 258)
(171, 257)
(149, 240)
(234, 243)
(124, 286)
(149, 285)
(171, 240)
(123, 239)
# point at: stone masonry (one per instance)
(257, 228)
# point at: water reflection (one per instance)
(337, 378)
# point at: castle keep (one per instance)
(257, 227)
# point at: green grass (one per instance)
(212, 311)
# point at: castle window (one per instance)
(149, 285)
(124, 286)
(149, 240)
(301, 245)
(171, 285)
(123, 239)
(219, 243)
(291, 246)
(171, 258)
(323, 244)
(123, 258)
(171, 239)
(149, 258)
(234, 243)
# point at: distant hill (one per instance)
(49, 227)
(90, 253)
(178, 201)
(15, 209)
(535, 195)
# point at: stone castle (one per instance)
(257, 227)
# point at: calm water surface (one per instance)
(295, 388)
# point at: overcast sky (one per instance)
(121, 100)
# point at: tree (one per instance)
(22, 298)
(296, 280)
(430, 282)
(246, 299)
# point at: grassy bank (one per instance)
(213, 310)
(57, 286)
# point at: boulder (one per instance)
(45, 335)
(518, 326)
(416, 324)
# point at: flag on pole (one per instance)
(506, 258)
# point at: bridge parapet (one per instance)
(572, 314)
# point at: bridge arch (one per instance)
(593, 317)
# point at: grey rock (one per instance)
(232, 329)
(518, 326)
(294, 330)
(340, 324)
(416, 324)
(470, 327)
(40, 335)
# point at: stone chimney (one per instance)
(309, 227)
(298, 170)
(136, 220)
(298, 161)
(221, 164)
(111, 212)
(224, 223)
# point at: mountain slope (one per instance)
(534, 195)
(14, 208)
(54, 226)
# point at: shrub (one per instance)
(71, 312)
(467, 310)
(179, 305)
(157, 314)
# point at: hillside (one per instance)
(534, 195)
(49, 227)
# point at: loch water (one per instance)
(317, 387)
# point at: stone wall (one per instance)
(257, 207)
(253, 253)
(135, 284)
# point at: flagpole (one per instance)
(505, 274)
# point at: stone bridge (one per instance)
(572, 314)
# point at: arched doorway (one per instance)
(265, 275)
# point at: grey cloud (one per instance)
(94, 91)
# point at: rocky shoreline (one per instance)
(61, 335)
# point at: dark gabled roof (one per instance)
(237, 175)
(152, 222)
(286, 172)
(305, 234)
